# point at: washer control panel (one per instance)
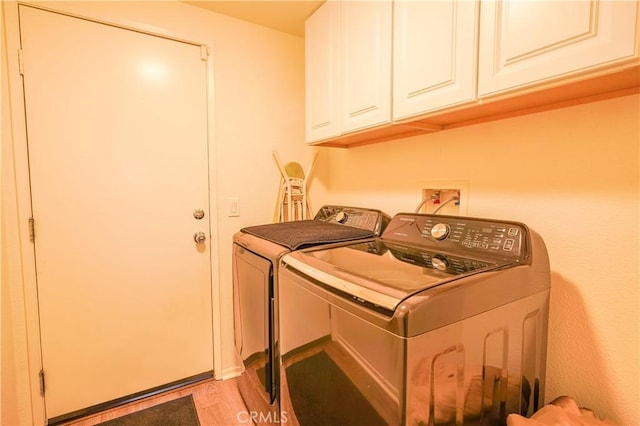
(453, 233)
(369, 219)
(446, 263)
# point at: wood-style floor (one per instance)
(218, 402)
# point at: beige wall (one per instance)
(14, 385)
(259, 89)
(570, 174)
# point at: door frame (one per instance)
(24, 262)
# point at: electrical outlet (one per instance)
(447, 198)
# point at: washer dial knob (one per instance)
(440, 263)
(341, 217)
(440, 231)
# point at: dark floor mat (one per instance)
(177, 412)
(321, 394)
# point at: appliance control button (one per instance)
(440, 231)
(508, 244)
(440, 263)
(341, 217)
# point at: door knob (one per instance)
(199, 237)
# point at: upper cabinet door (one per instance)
(322, 73)
(523, 43)
(434, 48)
(366, 64)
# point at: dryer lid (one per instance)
(306, 233)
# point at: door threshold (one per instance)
(74, 415)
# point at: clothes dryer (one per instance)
(256, 255)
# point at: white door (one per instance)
(117, 135)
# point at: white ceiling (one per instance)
(285, 16)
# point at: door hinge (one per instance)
(204, 52)
(41, 375)
(32, 229)
(20, 62)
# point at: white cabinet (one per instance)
(434, 48)
(379, 70)
(524, 43)
(347, 68)
(322, 73)
(366, 64)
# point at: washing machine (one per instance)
(257, 251)
(440, 321)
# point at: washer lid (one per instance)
(382, 274)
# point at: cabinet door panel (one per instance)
(322, 73)
(434, 45)
(523, 43)
(366, 64)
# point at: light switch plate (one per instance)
(234, 207)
